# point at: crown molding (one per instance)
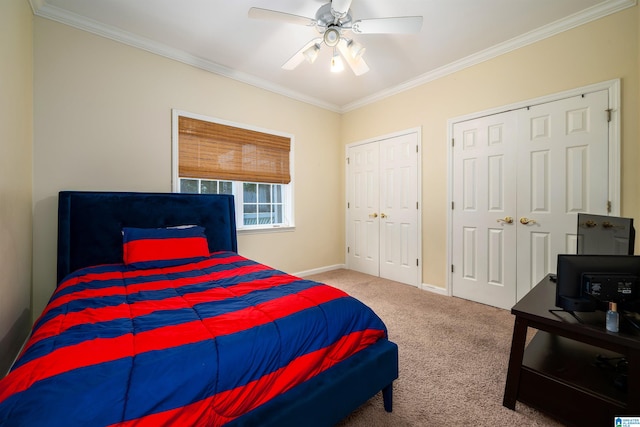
(588, 15)
(36, 5)
(44, 10)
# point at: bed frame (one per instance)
(89, 233)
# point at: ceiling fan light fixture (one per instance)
(331, 37)
(356, 49)
(336, 63)
(311, 53)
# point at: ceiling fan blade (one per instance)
(340, 7)
(298, 58)
(358, 66)
(401, 24)
(274, 15)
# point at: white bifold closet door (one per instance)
(382, 208)
(519, 180)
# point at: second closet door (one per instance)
(383, 210)
(519, 180)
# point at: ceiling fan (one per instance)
(333, 21)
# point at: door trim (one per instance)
(418, 131)
(613, 88)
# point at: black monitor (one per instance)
(575, 270)
(605, 235)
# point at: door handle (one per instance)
(527, 221)
(373, 215)
(506, 220)
(383, 215)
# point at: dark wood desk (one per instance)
(560, 373)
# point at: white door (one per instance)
(383, 210)
(399, 209)
(363, 235)
(563, 161)
(520, 178)
(484, 210)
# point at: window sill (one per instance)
(263, 230)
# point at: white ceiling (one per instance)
(218, 36)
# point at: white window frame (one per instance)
(287, 189)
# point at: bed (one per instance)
(146, 329)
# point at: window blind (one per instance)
(209, 150)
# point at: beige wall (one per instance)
(599, 51)
(16, 112)
(103, 122)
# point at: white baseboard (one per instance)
(319, 270)
(434, 289)
(423, 286)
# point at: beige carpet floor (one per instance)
(453, 357)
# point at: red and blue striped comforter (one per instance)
(194, 344)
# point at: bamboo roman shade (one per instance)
(208, 150)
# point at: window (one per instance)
(212, 157)
(258, 205)
(203, 186)
(262, 203)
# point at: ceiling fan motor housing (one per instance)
(326, 18)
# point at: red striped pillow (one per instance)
(162, 247)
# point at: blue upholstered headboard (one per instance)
(90, 223)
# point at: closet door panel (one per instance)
(399, 209)
(563, 151)
(363, 237)
(484, 208)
